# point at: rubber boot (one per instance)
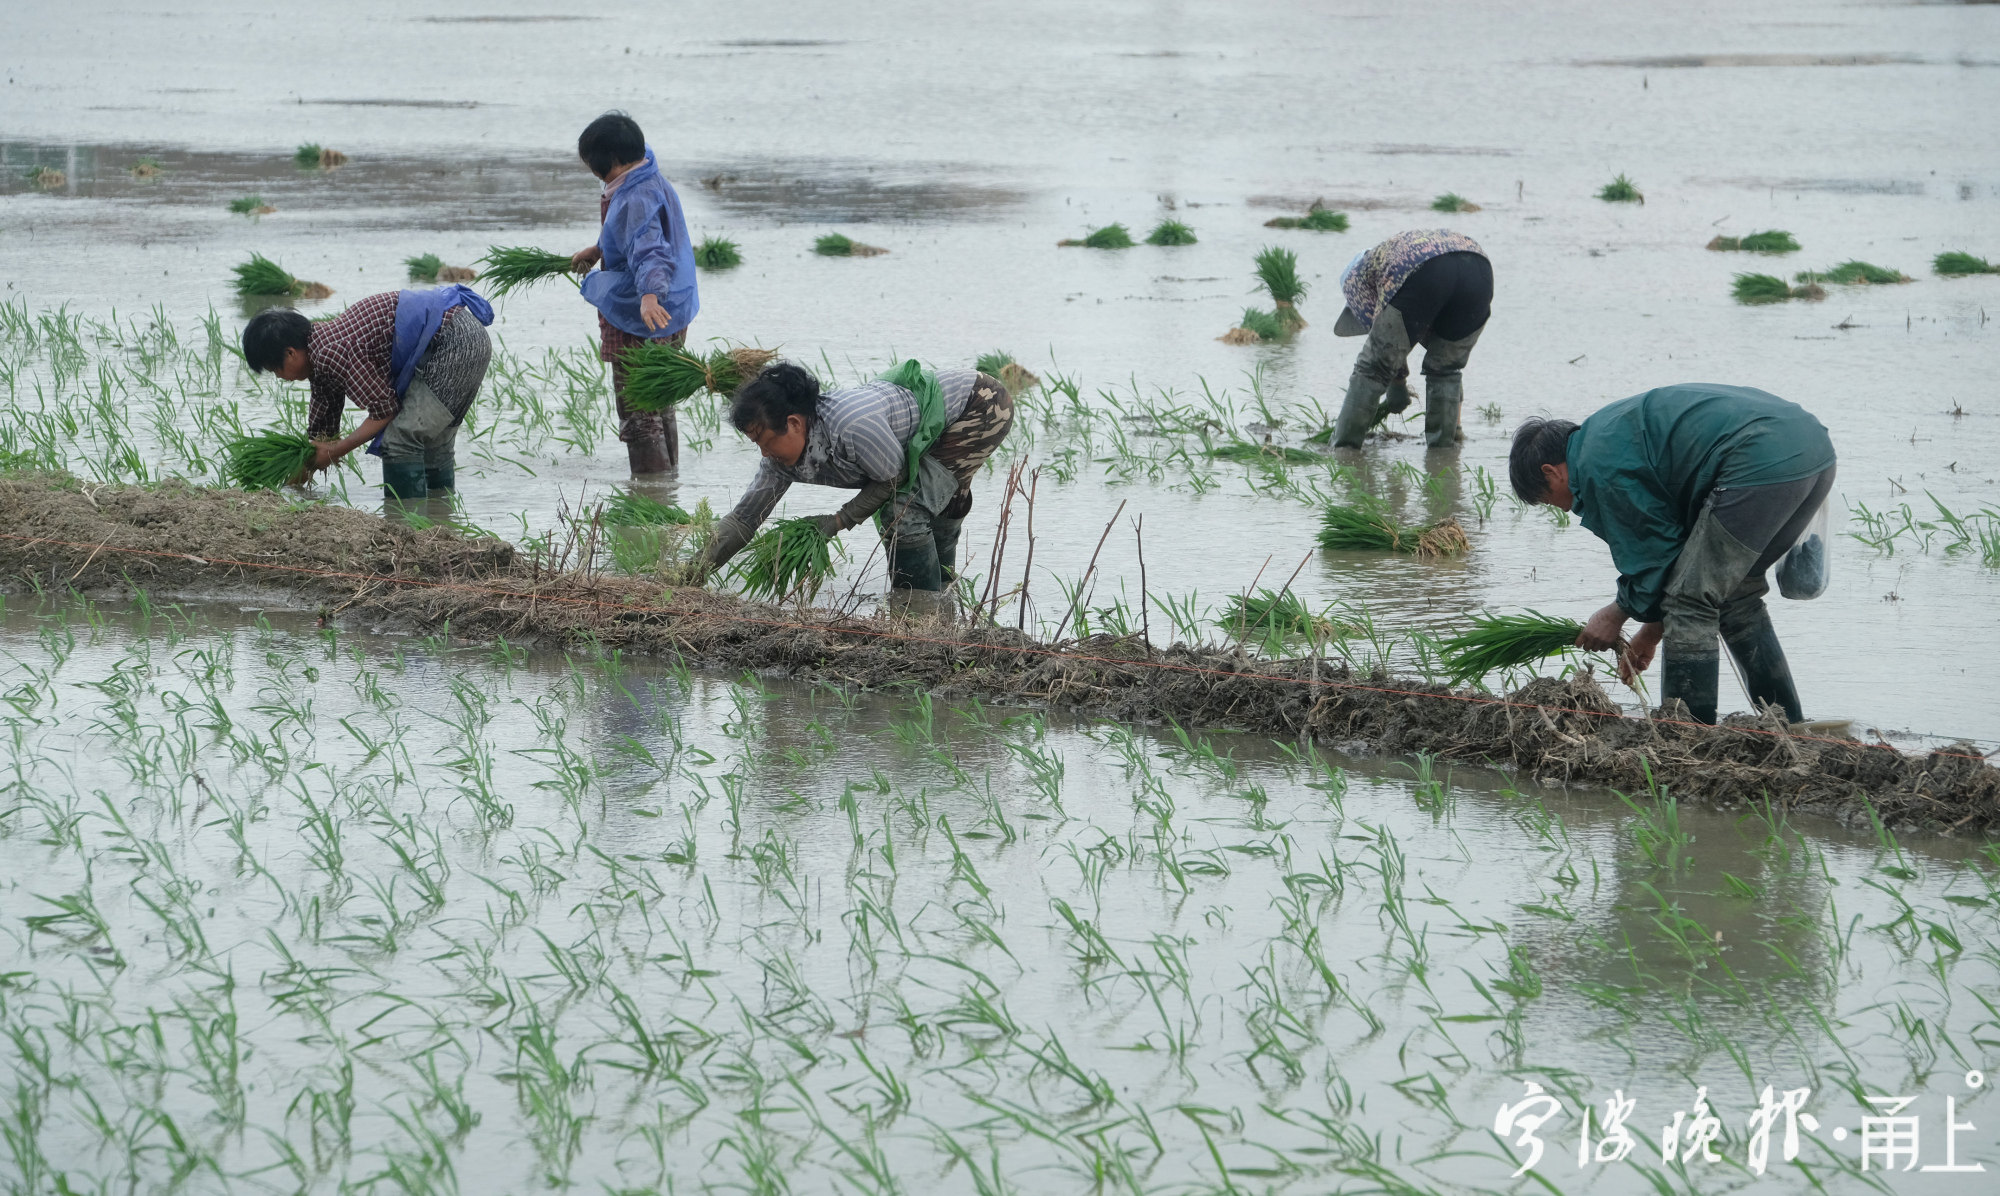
(440, 478)
(404, 481)
(1396, 400)
(913, 565)
(1692, 677)
(649, 454)
(1442, 395)
(1766, 673)
(944, 534)
(1357, 411)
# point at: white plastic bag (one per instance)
(1806, 571)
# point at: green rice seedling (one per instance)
(629, 509)
(511, 266)
(1363, 526)
(1267, 612)
(717, 253)
(1958, 265)
(1499, 642)
(1756, 289)
(1256, 327)
(1170, 232)
(1278, 270)
(840, 245)
(793, 557)
(262, 276)
(1111, 236)
(250, 205)
(1277, 454)
(1318, 219)
(147, 168)
(312, 156)
(46, 177)
(659, 375)
(266, 461)
(1452, 201)
(1620, 190)
(1853, 273)
(1772, 241)
(424, 267)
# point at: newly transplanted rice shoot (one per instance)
(424, 267)
(1853, 273)
(659, 375)
(511, 266)
(260, 276)
(1278, 270)
(1363, 526)
(841, 245)
(1506, 641)
(1620, 190)
(1170, 232)
(1774, 240)
(267, 460)
(717, 253)
(1755, 289)
(1958, 265)
(1111, 236)
(1452, 201)
(627, 509)
(791, 558)
(1256, 327)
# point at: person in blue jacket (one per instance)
(644, 284)
(1698, 489)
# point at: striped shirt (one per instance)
(862, 435)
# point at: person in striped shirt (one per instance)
(871, 439)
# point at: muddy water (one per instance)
(346, 906)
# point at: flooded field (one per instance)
(299, 903)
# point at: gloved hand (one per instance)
(724, 542)
(871, 498)
(1398, 398)
(828, 525)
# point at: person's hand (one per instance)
(1638, 654)
(653, 314)
(829, 525)
(1602, 630)
(582, 260)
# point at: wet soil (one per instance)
(181, 541)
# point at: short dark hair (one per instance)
(782, 389)
(611, 140)
(272, 331)
(1537, 443)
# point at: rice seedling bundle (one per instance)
(267, 460)
(1256, 327)
(1620, 190)
(1452, 201)
(659, 375)
(1853, 273)
(1774, 240)
(146, 168)
(717, 253)
(1318, 218)
(793, 557)
(261, 276)
(1959, 265)
(312, 156)
(1278, 270)
(1245, 450)
(1012, 374)
(250, 205)
(1267, 612)
(1365, 527)
(1170, 232)
(1506, 641)
(424, 267)
(46, 177)
(840, 245)
(510, 266)
(627, 509)
(1111, 236)
(1756, 289)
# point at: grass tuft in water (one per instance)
(1499, 642)
(1772, 241)
(250, 205)
(1853, 273)
(267, 460)
(1256, 327)
(1620, 190)
(1958, 265)
(717, 253)
(1758, 289)
(424, 267)
(508, 267)
(1452, 201)
(1363, 526)
(262, 276)
(790, 558)
(1170, 232)
(840, 245)
(1111, 236)
(628, 509)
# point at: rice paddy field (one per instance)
(293, 900)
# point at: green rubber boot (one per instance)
(913, 565)
(1766, 672)
(1692, 677)
(404, 480)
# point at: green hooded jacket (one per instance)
(1642, 468)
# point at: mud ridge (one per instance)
(180, 541)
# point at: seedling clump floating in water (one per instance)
(250, 205)
(1620, 190)
(1170, 232)
(1318, 218)
(1758, 289)
(1278, 270)
(791, 558)
(1111, 236)
(1772, 241)
(717, 253)
(1363, 526)
(841, 245)
(1256, 327)
(146, 168)
(1958, 265)
(262, 277)
(1452, 201)
(424, 267)
(510, 266)
(267, 460)
(311, 156)
(1853, 273)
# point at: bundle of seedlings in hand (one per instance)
(627, 509)
(1318, 218)
(793, 557)
(659, 375)
(1278, 270)
(313, 157)
(839, 245)
(267, 460)
(1013, 375)
(1452, 201)
(1958, 265)
(1757, 289)
(1506, 641)
(717, 253)
(260, 276)
(250, 205)
(1365, 527)
(1111, 236)
(1852, 273)
(1170, 232)
(1620, 190)
(511, 266)
(1256, 327)
(1267, 613)
(47, 178)
(1774, 240)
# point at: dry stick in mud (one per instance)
(1027, 570)
(1078, 601)
(1145, 603)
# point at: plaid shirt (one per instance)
(350, 361)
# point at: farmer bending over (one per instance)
(1430, 287)
(413, 360)
(1698, 490)
(645, 288)
(909, 447)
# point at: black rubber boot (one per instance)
(649, 455)
(404, 480)
(440, 478)
(1692, 677)
(1766, 673)
(1357, 410)
(913, 565)
(944, 534)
